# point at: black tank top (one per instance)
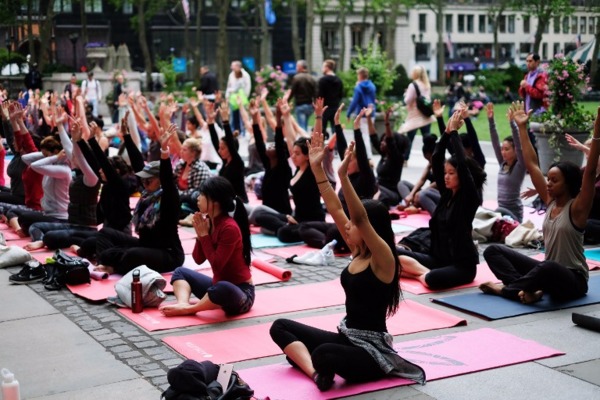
(367, 299)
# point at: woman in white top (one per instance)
(415, 119)
(239, 80)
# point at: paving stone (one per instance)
(130, 354)
(120, 348)
(154, 373)
(110, 336)
(157, 350)
(100, 332)
(138, 338)
(147, 367)
(142, 345)
(137, 361)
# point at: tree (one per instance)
(310, 21)
(146, 9)
(495, 11)
(222, 46)
(198, 37)
(9, 11)
(438, 7)
(594, 7)
(544, 10)
(294, 26)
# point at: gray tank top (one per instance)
(563, 241)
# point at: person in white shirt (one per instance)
(238, 80)
(92, 92)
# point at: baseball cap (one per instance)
(150, 170)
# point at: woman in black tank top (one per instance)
(372, 292)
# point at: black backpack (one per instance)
(418, 240)
(65, 269)
(423, 103)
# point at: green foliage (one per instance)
(378, 64)
(493, 81)
(165, 67)
(14, 57)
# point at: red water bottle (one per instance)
(137, 304)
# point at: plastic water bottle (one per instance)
(10, 386)
(137, 305)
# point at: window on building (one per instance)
(93, 6)
(422, 51)
(569, 46)
(511, 24)
(591, 25)
(502, 24)
(63, 6)
(448, 22)
(490, 25)
(422, 22)
(526, 24)
(357, 37)
(582, 25)
(128, 7)
(544, 51)
(482, 24)
(331, 39)
(35, 7)
(556, 24)
(470, 23)
(461, 23)
(547, 28)
(381, 39)
(565, 25)
(556, 48)
(573, 24)
(525, 48)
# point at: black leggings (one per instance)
(519, 272)
(278, 224)
(442, 276)
(331, 353)
(317, 234)
(124, 252)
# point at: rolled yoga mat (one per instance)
(278, 272)
(587, 321)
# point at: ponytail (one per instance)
(241, 218)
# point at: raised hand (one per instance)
(201, 224)
(518, 113)
(319, 107)
(194, 102)
(285, 108)
(464, 110)
(438, 108)
(529, 192)
(576, 144)
(348, 156)
(200, 96)
(75, 129)
(489, 107)
(455, 122)
(358, 118)
(254, 111)
(166, 136)
(369, 111)
(211, 114)
(224, 111)
(263, 94)
(388, 114)
(316, 150)
(97, 131)
(338, 113)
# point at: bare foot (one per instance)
(491, 288)
(74, 249)
(529, 297)
(104, 268)
(21, 233)
(38, 244)
(173, 310)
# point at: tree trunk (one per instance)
(222, 47)
(390, 31)
(374, 28)
(496, 43)
(594, 66)
(186, 39)
(342, 33)
(308, 34)
(46, 35)
(441, 55)
(30, 31)
(295, 33)
(198, 37)
(542, 23)
(324, 48)
(83, 18)
(264, 35)
(144, 42)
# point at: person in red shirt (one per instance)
(533, 87)
(223, 241)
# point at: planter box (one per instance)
(548, 153)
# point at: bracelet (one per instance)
(318, 116)
(323, 181)
(325, 190)
(165, 151)
(595, 139)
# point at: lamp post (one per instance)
(73, 37)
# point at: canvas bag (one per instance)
(234, 99)
(13, 255)
(523, 235)
(423, 103)
(153, 284)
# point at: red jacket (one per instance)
(536, 92)
(32, 181)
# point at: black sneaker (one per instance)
(31, 272)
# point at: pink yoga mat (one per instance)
(268, 302)
(225, 346)
(186, 233)
(441, 357)
(420, 220)
(271, 269)
(484, 274)
(188, 245)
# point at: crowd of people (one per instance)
(66, 182)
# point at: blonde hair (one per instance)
(421, 75)
(194, 145)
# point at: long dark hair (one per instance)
(479, 175)
(379, 218)
(220, 190)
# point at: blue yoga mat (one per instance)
(260, 241)
(496, 307)
(592, 254)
